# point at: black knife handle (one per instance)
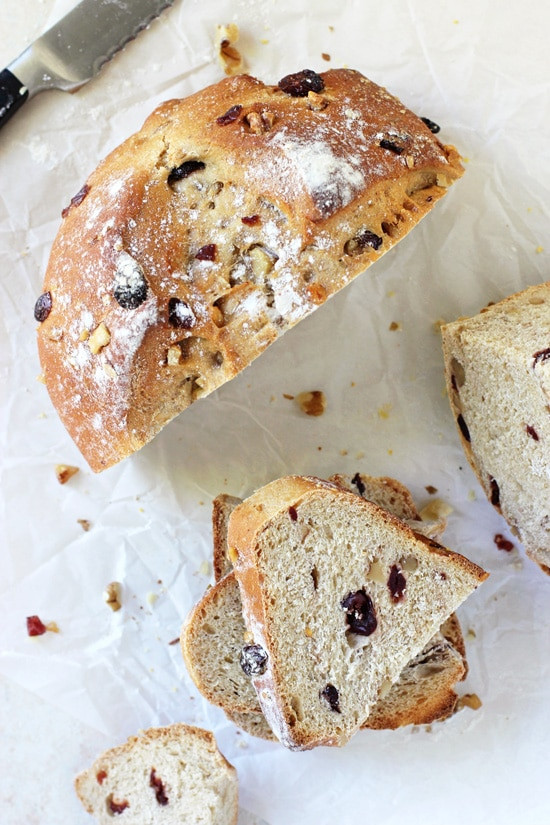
(12, 95)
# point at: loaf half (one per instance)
(497, 367)
(163, 776)
(230, 216)
(338, 596)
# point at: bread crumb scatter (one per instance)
(288, 396)
(84, 523)
(230, 58)
(64, 472)
(112, 596)
(394, 326)
(325, 56)
(312, 403)
(384, 411)
(539, 249)
(205, 568)
(471, 634)
(430, 489)
(151, 598)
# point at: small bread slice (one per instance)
(338, 596)
(497, 367)
(163, 776)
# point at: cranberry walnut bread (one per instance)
(497, 366)
(162, 776)
(214, 635)
(338, 596)
(228, 218)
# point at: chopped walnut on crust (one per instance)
(112, 596)
(229, 56)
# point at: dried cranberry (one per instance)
(300, 84)
(495, 492)
(184, 170)
(254, 660)
(541, 356)
(207, 252)
(358, 481)
(396, 584)
(252, 220)
(331, 695)
(391, 146)
(463, 427)
(503, 543)
(360, 613)
(230, 116)
(35, 626)
(433, 127)
(532, 432)
(77, 200)
(293, 513)
(129, 284)
(157, 783)
(101, 776)
(454, 385)
(118, 807)
(43, 306)
(180, 314)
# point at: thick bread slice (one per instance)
(497, 367)
(229, 217)
(214, 635)
(222, 507)
(163, 776)
(338, 595)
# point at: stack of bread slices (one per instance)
(332, 610)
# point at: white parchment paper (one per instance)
(481, 71)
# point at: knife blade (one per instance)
(74, 49)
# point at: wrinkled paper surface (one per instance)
(482, 73)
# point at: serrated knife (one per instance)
(74, 50)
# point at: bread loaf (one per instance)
(338, 595)
(163, 776)
(230, 216)
(497, 367)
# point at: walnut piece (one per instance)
(64, 472)
(312, 403)
(111, 596)
(99, 338)
(229, 56)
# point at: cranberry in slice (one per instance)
(532, 432)
(101, 776)
(358, 481)
(541, 356)
(391, 146)
(35, 626)
(495, 492)
(396, 584)
(503, 543)
(157, 783)
(76, 201)
(300, 84)
(230, 116)
(251, 220)
(253, 660)
(293, 513)
(360, 613)
(332, 697)
(118, 807)
(184, 170)
(463, 427)
(364, 239)
(43, 306)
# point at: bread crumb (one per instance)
(41, 378)
(471, 634)
(204, 569)
(360, 454)
(84, 523)
(64, 472)
(112, 595)
(438, 324)
(52, 627)
(288, 396)
(539, 249)
(151, 598)
(471, 495)
(343, 452)
(384, 411)
(435, 510)
(394, 326)
(229, 56)
(430, 489)
(325, 56)
(312, 403)
(469, 700)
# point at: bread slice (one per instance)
(338, 596)
(163, 776)
(222, 507)
(497, 367)
(228, 218)
(214, 635)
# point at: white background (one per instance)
(481, 70)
